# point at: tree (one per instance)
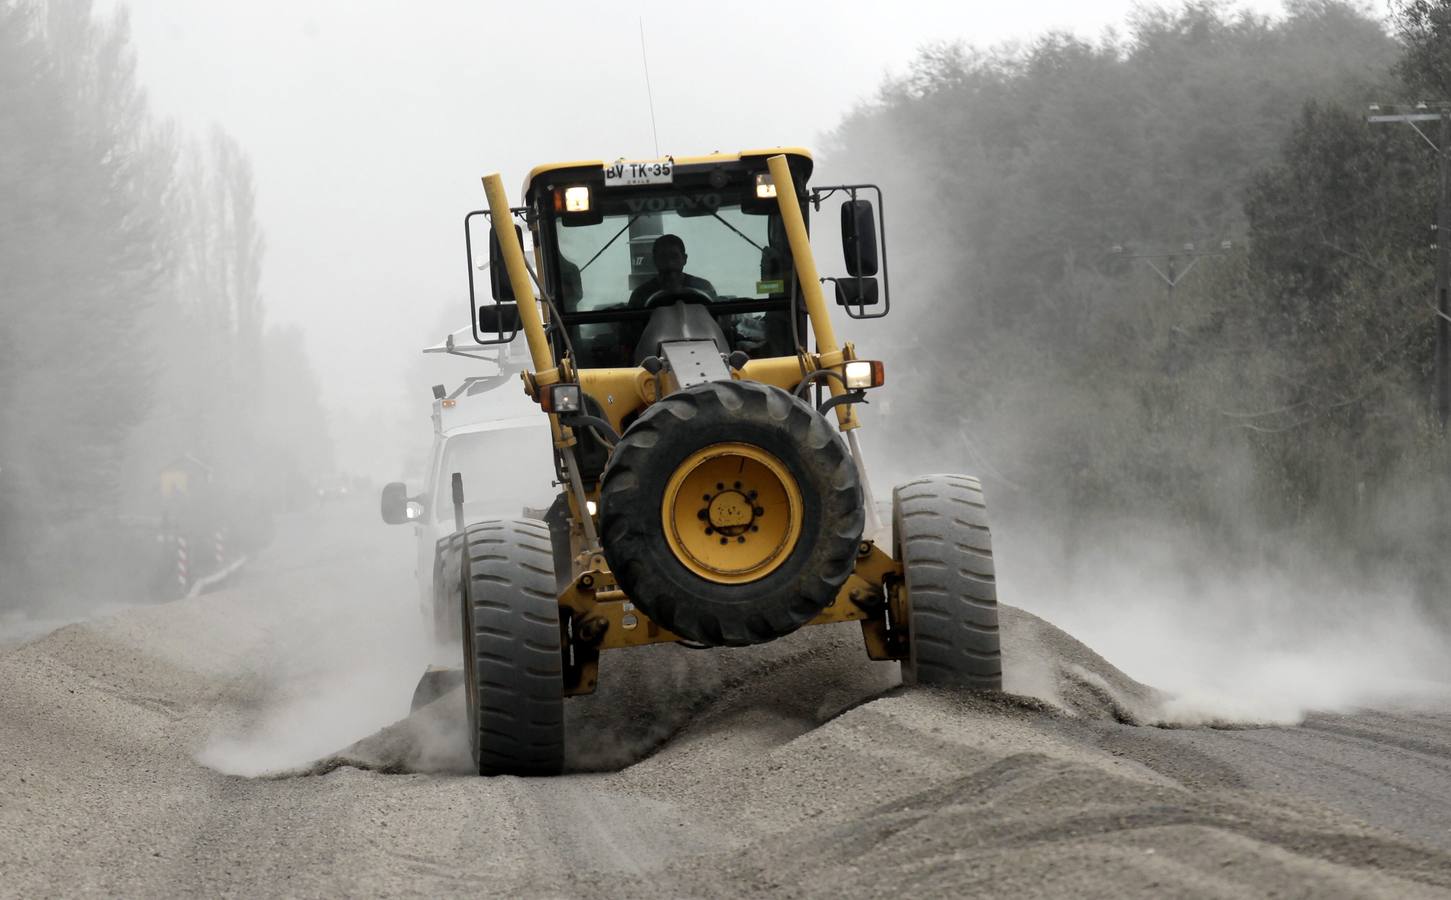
(131, 316)
(84, 173)
(1073, 372)
(1424, 27)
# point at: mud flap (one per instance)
(436, 681)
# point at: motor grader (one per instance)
(711, 489)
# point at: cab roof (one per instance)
(799, 152)
(535, 421)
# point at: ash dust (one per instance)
(654, 695)
(769, 769)
(1141, 634)
(1253, 640)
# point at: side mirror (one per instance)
(856, 292)
(859, 238)
(499, 283)
(499, 318)
(395, 506)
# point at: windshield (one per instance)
(652, 248)
(670, 239)
(503, 471)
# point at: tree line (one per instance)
(133, 331)
(1039, 195)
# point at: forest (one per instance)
(1176, 275)
(133, 332)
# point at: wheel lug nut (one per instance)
(720, 486)
(709, 530)
(741, 539)
(755, 528)
(703, 514)
(758, 511)
(725, 540)
(737, 485)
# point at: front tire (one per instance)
(731, 513)
(940, 532)
(513, 664)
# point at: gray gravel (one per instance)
(256, 741)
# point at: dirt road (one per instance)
(255, 741)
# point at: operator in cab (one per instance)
(670, 274)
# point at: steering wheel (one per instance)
(670, 295)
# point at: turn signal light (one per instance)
(864, 373)
(561, 398)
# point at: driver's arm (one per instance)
(702, 285)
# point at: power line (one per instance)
(649, 93)
(1171, 274)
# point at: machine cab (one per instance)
(689, 248)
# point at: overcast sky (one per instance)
(370, 123)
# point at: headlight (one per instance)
(864, 373)
(561, 398)
(576, 199)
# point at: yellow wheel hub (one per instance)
(732, 513)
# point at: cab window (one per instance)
(730, 257)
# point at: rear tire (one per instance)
(513, 664)
(447, 591)
(940, 532)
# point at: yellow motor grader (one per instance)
(711, 488)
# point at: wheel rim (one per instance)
(732, 513)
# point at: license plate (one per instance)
(627, 173)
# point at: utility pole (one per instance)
(1442, 114)
(1171, 273)
(1443, 272)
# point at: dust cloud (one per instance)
(1204, 427)
(313, 705)
(1235, 639)
(1260, 628)
(316, 662)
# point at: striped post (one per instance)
(183, 568)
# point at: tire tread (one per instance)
(945, 545)
(513, 640)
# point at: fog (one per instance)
(1229, 498)
(370, 125)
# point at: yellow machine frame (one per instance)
(600, 616)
